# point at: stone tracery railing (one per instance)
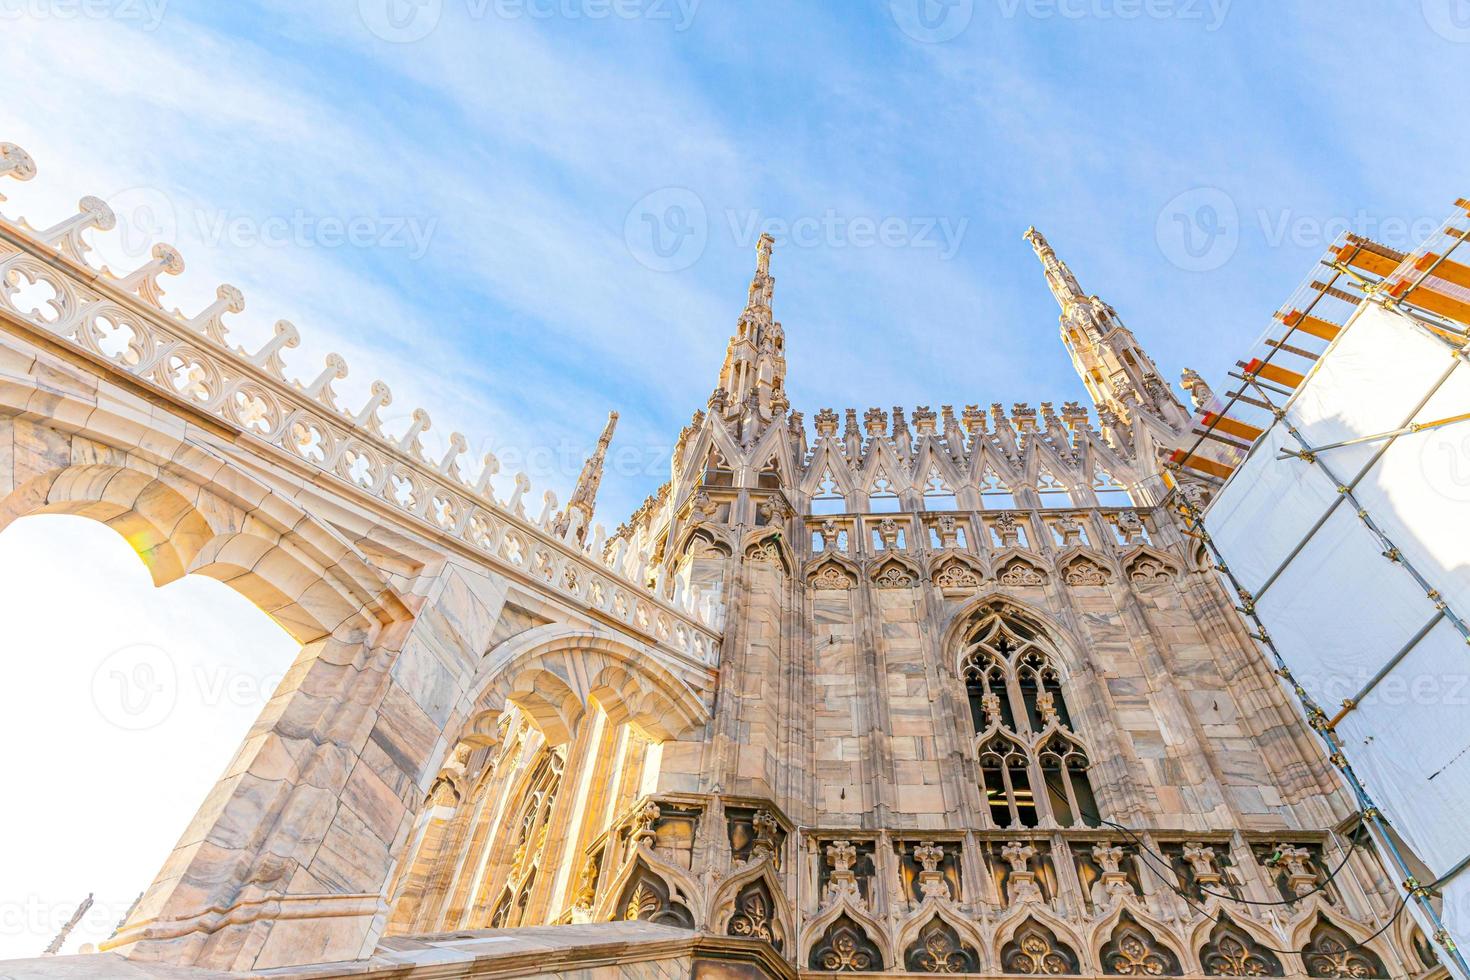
(121, 320)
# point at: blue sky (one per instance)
(497, 163)
(503, 161)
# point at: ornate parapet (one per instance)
(118, 321)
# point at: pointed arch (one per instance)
(1144, 565)
(1132, 950)
(1031, 763)
(928, 463)
(764, 546)
(702, 537)
(964, 928)
(832, 571)
(556, 668)
(954, 571)
(882, 461)
(849, 907)
(1083, 567)
(548, 702)
(1052, 491)
(771, 454)
(1331, 951)
(1032, 945)
(895, 571)
(845, 946)
(751, 905)
(1230, 950)
(1016, 570)
(647, 896)
(884, 491)
(939, 948)
(995, 482)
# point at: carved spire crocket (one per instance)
(754, 373)
(1117, 371)
(578, 516)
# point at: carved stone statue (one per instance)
(841, 880)
(1021, 886)
(932, 883)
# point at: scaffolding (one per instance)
(1340, 542)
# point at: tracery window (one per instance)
(529, 840)
(882, 498)
(1110, 491)
(938, 495)
(717, 472)
(995, 494)
(828, 499)
(1051, 491)
(1032, 764)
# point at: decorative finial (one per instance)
(577, 518)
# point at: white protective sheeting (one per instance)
(1419, 493)
(1341, 610)
(1266, 509)
(1408, 741)
(1369, 382)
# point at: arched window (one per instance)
(717, 472)
(995, 494)
(1005, 776)
(1032, 764)
(1051, 491)
(529, 840)
(882, 498)
(1110, 491)
(1064, 771)
(938, 495)
(828, 499)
